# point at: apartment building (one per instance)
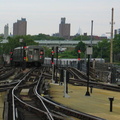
(20, 27)
(6, 31)
(64, 29)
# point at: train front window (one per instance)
(36, 54)
(36, 51)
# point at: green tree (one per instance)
(47, 52)
(80, 46)
(14, 42)
(68, 54)
(45, 37)
(102, 50)
(116, 44)
(116, 47)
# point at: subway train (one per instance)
(27, 55)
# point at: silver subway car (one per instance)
(31, 55)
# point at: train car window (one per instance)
(36, 50)
(30, 49)
(26, 51)
(30, 52)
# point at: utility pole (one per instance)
(91, 32)
(91, 37)
(111, 41)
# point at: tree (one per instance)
(116, 44)
(102, 50)
(14, 42)
(80, 46)
(45, 37)
(47, 52)
(68, 54)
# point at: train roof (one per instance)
(30, 46)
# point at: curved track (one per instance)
(80, 78)
(26, 102)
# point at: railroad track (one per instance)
(10, 77)
(80, 78)
(6, 72)
(31, 104)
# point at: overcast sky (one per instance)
(44, 16)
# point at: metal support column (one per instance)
(88, 65)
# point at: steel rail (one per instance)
(35, 92)
(25, 104)
(13, 95)
(82, 79)
(32, 107)
(65, 109)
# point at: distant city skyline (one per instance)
(44, 16)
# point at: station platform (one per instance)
(96, 104)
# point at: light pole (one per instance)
(91, 32)
(111, 41)
(89, 52)
(91, 37)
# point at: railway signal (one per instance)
(56, 80)
(52, 56)
(24, 57)
(41, 54)
(89, 52)
(79, 59)
(11, 58)
(52, 64)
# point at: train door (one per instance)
(36, 54)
